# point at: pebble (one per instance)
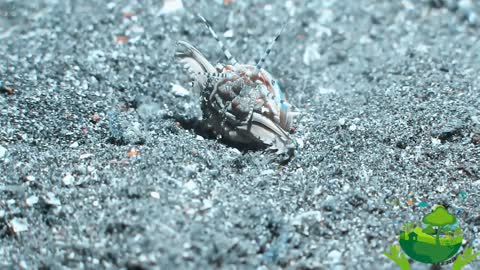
(291, 7)
(299, 219)
(267, 172)
(190, 185)
(465, 6)
(111, 5)
(440, 189)
(90, 169)
(3, 151)
(436, 141)
(74, 145)
(31, 201)
(234, 151)
(81, 169)
(335, 256)
(268, 8)
(23, 265)
(318, 191)
(300, 143)
(325, 91)
(171, 6)
(51, 199)
(85, 156)
(68, 180)
(155, 195)
(207, 204)
(346, 188)
(228, 34)
(311, 54)
(472, 18)
(179, 90)
(191, 169)
(18, 225)
(326, 17)
(475, 119)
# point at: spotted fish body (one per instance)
(240, 103)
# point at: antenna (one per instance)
(268, 50)
(226, 52)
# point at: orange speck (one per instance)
(227, 2)
(409, 202)
(122, 39)
(133, 153)
(128, 14)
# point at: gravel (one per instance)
(105, 164)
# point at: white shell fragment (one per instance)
(179, 90)
(31, 201)
(229, 33)
(68, 180)
(51, 199)
(3, 152)
(74, 145)
(85, 156)
(155, 195)
(18, 225)
(311, 54)
(171, 6)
